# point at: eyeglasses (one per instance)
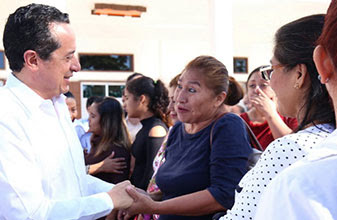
(267, 71)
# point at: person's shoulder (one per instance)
(175, 128)
(9, 104)
(230, 119)
(86, 135)
(304, 141)
(157, 121)
(308, 135)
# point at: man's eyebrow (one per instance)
(71, 52)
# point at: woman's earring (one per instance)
(320, 78)
(296, 86)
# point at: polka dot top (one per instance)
(280, 154)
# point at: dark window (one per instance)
(106, 62)
(116, 91)
(2, 60)
(93, 90)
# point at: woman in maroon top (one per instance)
(106, 122)
(262, 117)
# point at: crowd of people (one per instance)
(175, 152)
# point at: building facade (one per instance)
(159, 37)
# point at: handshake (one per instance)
(129, 201)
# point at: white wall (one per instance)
(255, 23)
(173, 32)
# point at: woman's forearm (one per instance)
(277, 126)
(194, 204)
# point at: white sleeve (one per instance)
(23, 188)
(97, 185)
(286, 198)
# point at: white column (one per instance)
(221, 13)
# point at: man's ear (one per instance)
(31, 59)
(323, 63)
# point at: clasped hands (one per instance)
(130, 201)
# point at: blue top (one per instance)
(193, 165)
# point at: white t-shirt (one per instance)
(42, 172)
(280, 154)
(307, 190)
(133, 128)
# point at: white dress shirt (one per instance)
(307, 190)
(42, 172)
(280, 154)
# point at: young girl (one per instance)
(147, 100)
(106, 122)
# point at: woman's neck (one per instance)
(192, 128)
(146, 115)
(255, 116)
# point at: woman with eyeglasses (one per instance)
(299, 94)
(264, 120)
(313, 190)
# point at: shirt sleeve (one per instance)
(228, 161)
(22, 188)
(302, 191)
(97, 185)
(284, 199)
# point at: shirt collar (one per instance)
(326, 148)
(28, 97)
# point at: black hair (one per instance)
(93, 99)
(133, 75)
(28, 28)
(235, 92)
(155, 91)
(257, 69)
(69, 95)
(294, 44)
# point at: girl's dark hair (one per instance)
(133, 75)
(93, 99)
(113, 126)
(155, 91)
(69, 95)
(216, 76)
(257, 69)
(294, 44)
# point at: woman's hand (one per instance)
(142, 203)
(263, 104)
(113, 165)
(109, 165)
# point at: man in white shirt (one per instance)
(42, 172)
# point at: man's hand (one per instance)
(120, 197)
